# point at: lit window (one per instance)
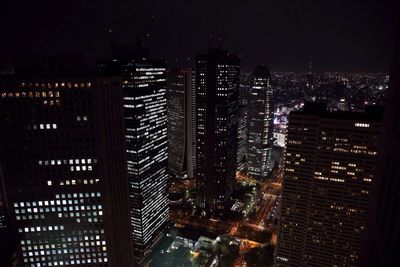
(363, 125)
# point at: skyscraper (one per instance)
(329, 166)
(145, 111)
(260, 124)
(64, 172)
(381, 246)
(217, 88)
(242, 138)
(244, 89)
(180, 128)
(194, 110)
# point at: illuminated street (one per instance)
(243, 229)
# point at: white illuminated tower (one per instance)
(145, 108)
(259, 124)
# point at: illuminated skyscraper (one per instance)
(180, 128)
(64, 171)
(244, 89)
(329, 167)
(242, 138)
(145, 111)
(145, 108)
(260, 124)
(217, 88)
(194, 110)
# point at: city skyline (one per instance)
(199, 133)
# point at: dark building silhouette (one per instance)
(64, 173)
(260, 124)
(7, 244)
(180, 122)
(3, 221)
(329, 167)
(381, 242)
(217, 89)
(54, 65)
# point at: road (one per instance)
(269, 191)
(208, 224)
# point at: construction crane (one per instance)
(115, 35)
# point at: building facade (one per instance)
(260, 124)
(64, 171)
(242, 138)
(194, 110)
(145, 109)
(217, 88)
(380, 245)
(180, 128)
(329, 166)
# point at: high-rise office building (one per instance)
(260, 124)
(242, 138)
(194, 110)
(180, 128)
(145, 111)
(381, 246)
(217, 88)
(329, 166)
(244, 89)
(63, 171)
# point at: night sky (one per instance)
(285, 35)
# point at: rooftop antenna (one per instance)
(219, 43)
(310, 68)
(139, 41)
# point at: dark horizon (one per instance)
(334, 35)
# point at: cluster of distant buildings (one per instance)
(216, 129)
(86, 159)
(86, 155)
